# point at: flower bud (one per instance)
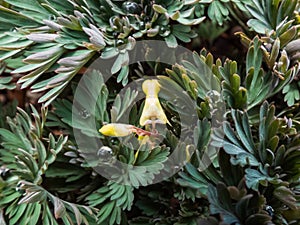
(116, 129)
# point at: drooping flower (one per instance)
(152, 111)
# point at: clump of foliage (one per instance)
(46, 47)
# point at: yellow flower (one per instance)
(152, 111)
(117, 129)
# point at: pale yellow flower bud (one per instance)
(116, 129)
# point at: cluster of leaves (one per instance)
(25, 157)
(243, 171)
(280, 41)
(50, 37)
(257, 178)
(49, 42)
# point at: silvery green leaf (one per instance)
(43, 55)
(42, 38)
(159, 8)
(190, 22)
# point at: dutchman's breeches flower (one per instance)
(152, 111)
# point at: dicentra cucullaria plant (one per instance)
(46, 46)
